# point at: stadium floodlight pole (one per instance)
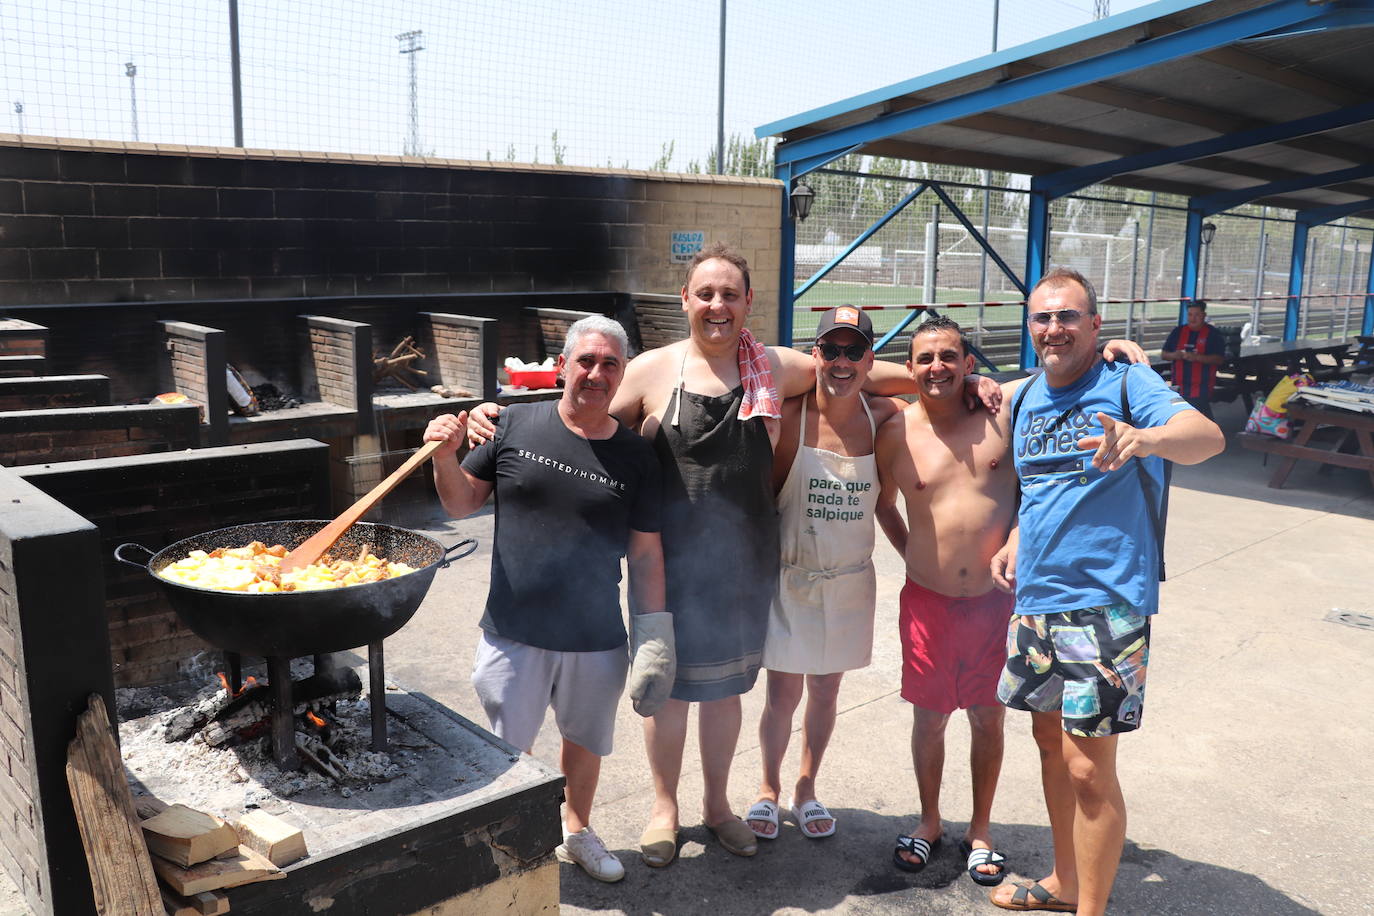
(410, 43)
(720, 99)
(131, 71)
(19, 111)
(235, 74)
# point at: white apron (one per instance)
(821, 621)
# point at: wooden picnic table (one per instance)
(1258, 367)
(1281, 357)
(1358, 426)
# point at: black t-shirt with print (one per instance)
(565, 507)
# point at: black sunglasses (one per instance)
(830, 352)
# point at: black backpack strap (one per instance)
(1021, 396)
(1158, 509)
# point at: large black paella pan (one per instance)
(292, 624)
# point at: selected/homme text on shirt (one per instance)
(568, 469)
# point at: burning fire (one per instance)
(314, 719)
(224, 682)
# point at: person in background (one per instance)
(1197, 349)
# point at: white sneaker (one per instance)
(585, 848)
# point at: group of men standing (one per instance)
(742, 484)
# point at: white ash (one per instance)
(205, 773)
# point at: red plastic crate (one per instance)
(537, 378)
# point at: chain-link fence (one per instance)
(1129, 243)
(616, 82)
(602, 82)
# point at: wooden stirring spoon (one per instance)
(315, 546)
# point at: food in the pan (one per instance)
(255, 569)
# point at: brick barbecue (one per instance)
(466, 813)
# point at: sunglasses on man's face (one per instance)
(1066, 317)
(831, 352)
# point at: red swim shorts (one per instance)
(953, 649)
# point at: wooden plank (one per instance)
(121, 874)
(245, 868)
(175, 904)
(208, 903)
(280, 842)
(186, 836)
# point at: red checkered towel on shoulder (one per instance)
(760, 394)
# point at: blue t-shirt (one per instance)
(1086, 535)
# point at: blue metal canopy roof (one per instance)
(1227, 101)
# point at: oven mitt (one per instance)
(653, 661)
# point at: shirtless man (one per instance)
(821, 622)
(951, 467)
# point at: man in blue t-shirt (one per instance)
(576, 491)
(1084, 562)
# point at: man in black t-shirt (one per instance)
(575, 493)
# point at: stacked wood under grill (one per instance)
(131, 847)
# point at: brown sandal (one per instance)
(735, 835)
(1044, 900)
(658, 846)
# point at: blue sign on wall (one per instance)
(684, 245)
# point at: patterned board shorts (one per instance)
(1089, 664)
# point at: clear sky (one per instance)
(617, 79)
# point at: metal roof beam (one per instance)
(805, 166)
(1226, 200)
(1220, 122)
(926, 152)
(1257, 66)
(1069, 180)
(1352, 15)
(1185, 43)
(1317, 216)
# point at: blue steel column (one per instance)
(787, 259)
(1295, 272)
(1037, 244)
(1367, 326)
(1192, 251)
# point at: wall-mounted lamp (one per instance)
(1209, 231)
(802, 196)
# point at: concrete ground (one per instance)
(1249, 787)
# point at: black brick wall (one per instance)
(81, 226)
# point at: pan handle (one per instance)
(134, 563)
(451, 554)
